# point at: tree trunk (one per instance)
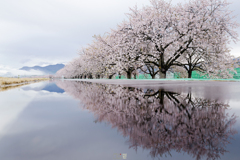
(161, 97)
(153, 76)
(129, 75)
(135, 76)
(110, 77)
(189, 73)
(162, 70)
(120, 76)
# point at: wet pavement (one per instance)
(117, 119)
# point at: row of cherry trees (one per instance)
(162, 37)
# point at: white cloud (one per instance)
(6, 71)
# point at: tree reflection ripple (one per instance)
(159, 120)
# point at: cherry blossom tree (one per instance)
(173, 30)
(129, 51)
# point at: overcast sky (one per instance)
(43, 32)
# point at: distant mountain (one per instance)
(50, 69)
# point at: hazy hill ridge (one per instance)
(50, 69)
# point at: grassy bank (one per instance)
(12, 81)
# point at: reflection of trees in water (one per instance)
(159, 120)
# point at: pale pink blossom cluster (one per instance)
(163, 37)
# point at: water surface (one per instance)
(103, 119)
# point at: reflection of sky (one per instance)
(14, 101)
(234, 147)
(49, 86)
(50, 125)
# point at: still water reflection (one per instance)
(88, 121)
(160, 121)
